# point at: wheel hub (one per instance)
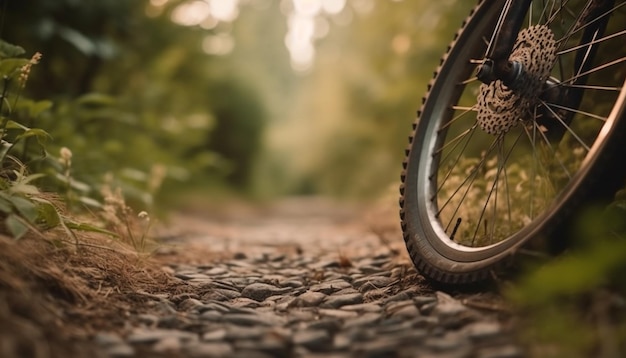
(501, 107)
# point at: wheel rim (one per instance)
(484, 188)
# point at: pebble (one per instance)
(277, 304)
(339, 300)
(313, 339)
(261, 291)
(310, 299)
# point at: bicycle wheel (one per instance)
(488, 170)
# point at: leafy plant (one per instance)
(574, 305)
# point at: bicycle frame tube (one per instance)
(496, 64)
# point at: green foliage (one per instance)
(573, 305)
(135, 96)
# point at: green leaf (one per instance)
(15, 125)
(90, 202)
(16, 226)
(26, 208)
(29, 178)
(96, 100)
(5, 205)
(9, 50)
(73, 183)
(48, 215)
(89, 228)
(34, 132)
(34, 108)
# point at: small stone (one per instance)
(448, 306)
(269, 344)
(376, 348)
(216, 271)
(108, 339)
(211, 316)
(245, 320)
(209, 349)
(362, 307)
(337, 301)
(189, 304)
(314, 339)
(342, 342)
(425, 321)
(120, 351)
(226, 285)
(243, 302)
(215, 306)
(394, 327)
(406, 311)
(217, 335)
(261, 291)
(190, 275)
(331, 325)
(309, 299)
(220, 294)
(398, 305)
(172, 321)
(235, 333)
(446, 343)
(148, 319)
(285, 302)
(167, 345)
(365, 320)
(508, 351)
(428, 308)
(324, 264)
(330, 287)
(480, 331)
(424, 300)
(291, 283)
(346, 291)
(140, 336)
(337, 313)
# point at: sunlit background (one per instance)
(260, 97)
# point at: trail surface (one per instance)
(304, 278)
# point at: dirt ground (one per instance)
(56, 294)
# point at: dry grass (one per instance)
(53, 296)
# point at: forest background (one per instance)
(260, 97)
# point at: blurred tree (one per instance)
(133, 88)
(351, 112)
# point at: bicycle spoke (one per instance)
(595, 69)
(607, 13)
(568, 128)
(591, 87)
(470, 177)
(554, 14)
(456, 161)
(456, 140)
(500, 139)
(548, 144)
(458, 158)
(608, 37)
(450, 122)
(603, 119)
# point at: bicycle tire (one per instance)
(431, 243)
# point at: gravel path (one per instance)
(305, 280)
